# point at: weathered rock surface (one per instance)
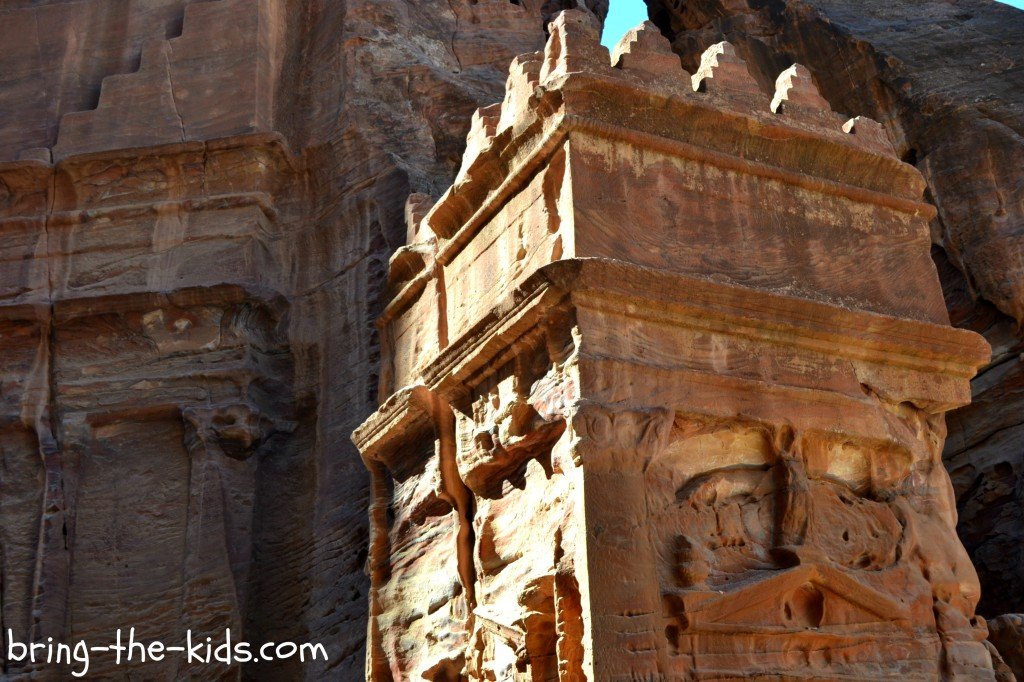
(197, 204)
(946, 79)
(581, 472)
(1007, 634)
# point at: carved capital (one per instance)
(610, 434)
(233, 429)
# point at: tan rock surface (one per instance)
(633, 424)
(197, 203)
(946, 79)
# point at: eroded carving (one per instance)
(660, 463)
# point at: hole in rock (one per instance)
(805, 607)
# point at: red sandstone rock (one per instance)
(197, 206)
(945, 80)
(197, 203)
(608, 451)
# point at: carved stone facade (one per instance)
(198, 199)
(178, 376)
(946, 80)
(147, 365)
(664, 379)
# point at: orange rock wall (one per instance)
(197, 202)
(658, 440)
(945, 79)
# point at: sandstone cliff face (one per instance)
(947, 82)
(192, 263)
(198, 200)
(634, 426)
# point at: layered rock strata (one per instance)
(651, 407)
(946, 79)
(149, 372)
(198, 199)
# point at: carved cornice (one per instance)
(722, 120)
(407, 411)
(81, 187)
(648, 296)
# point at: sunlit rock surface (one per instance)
(198, 201)
(946, 80)
(651, 406)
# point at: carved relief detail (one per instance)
(724, 492)
(773, 528)
(235, 430)
(603, 430)
(517, 418)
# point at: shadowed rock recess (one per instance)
(648, 369)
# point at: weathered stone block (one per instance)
(682, 434)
